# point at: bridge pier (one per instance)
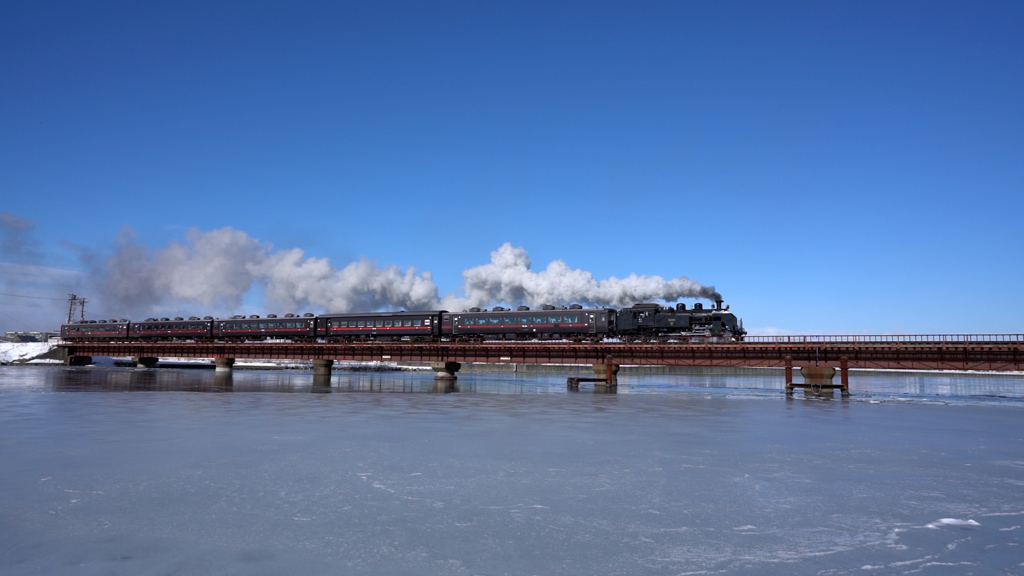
(322, 367)
(223, 364)
(145, 361)
(224, 378)
(445, 386)
(78, 360)
(605, 378)
(609, 372)
(322, 375)
(819, 379)
(445, 370)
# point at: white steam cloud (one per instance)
(509, 279)
(215, 270)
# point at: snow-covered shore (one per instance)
(24, 352)
(29, 353)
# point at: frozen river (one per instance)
(125, 471)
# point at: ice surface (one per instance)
(124, 471)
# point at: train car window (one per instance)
(417, 322)
(494, 320)
(387, 323)
(572, 319)
(406, 323)
(554, 319)
(362, 324)
(263, 325)
(538, 319)
(378, 323)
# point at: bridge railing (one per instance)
(890, 338)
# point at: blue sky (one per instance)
(837, 167)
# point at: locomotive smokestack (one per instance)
(718, 303)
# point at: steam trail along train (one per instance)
(643, 322)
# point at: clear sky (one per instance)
(829, 167)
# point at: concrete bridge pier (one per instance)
(78, 360)
(445, 386)
(321, 384)
(818, 380)
(605, 378)
(322, 367)
(609, 372)
(223, 364)
(322, 375)
(224, 378)
(445, 370)
(145, 361)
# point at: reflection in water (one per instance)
(864, 386)
(223, 378)
(399, 382)
(134, 379)
(321, 384)
(91, 379)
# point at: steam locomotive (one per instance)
(638, 322)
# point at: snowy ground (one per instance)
(22, 351)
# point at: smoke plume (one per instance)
(509, 279)
(16, 244)
(214, 271)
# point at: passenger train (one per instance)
(639, 322)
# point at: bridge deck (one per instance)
(944, 352)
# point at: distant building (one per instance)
(30, 336)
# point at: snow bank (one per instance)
(22, 351)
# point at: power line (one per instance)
(33, 297)
(16, 320)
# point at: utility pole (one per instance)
(75, 302)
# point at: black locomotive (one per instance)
(639, 322)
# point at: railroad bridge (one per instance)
(818, 357)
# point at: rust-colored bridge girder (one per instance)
(961, 352)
